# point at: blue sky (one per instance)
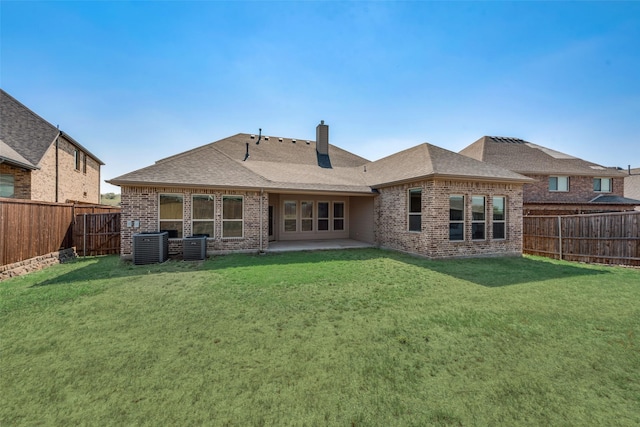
(138, 81)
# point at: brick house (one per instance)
(39, 162)
(247, 191)
(562, 184)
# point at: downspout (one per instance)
(261, 216)
(57, 176)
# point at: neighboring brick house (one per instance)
(39, 162)
(562, 184)
(632, 184)
(246, 191)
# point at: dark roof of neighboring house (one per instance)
(527, 158)
(614, 200)
(27, 134)
(287, 164)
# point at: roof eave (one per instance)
(18, 164)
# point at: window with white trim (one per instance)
(415, 209)
(456, 217)
(338, 216)
(558, 183)
(306, 216)
(171, 214)
(232, 216)
(323, 216)
(602, 185)
(478, 217)
(203, 214)
(7, 185)
(499, 218)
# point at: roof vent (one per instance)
(280, 139)
(266, 138)
(294, 141)
(253, 136)
(308, 142)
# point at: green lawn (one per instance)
(346, 338)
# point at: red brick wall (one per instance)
(580, 189)
(433, 241)
(21, 180)
(141, 204)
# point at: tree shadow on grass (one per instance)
(489, 272)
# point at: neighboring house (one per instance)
(563, 184)
(246, 191)
(632, 184)
(39, 162)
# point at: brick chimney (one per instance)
(322, 138)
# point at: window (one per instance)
(7, 185)
(306, 214)
(456, 217)
(602, 185)
(76, 159)
(290, 216)
(323, 216)
(84, 164)
(202, 214)
(338, 216)
(478, 214)
(171, 214)
(558, 183)
(499, 218)
(415, 209)
(232, 216)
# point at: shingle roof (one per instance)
(426, 160)
(614, 200)
(282, 164)
(28, 134)
(9, 155)
(527, 158)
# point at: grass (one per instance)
(348, 338)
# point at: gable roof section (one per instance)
(26, 133)
(527, 158)
(272, 164)
(429, 161)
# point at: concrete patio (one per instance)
(316, 245)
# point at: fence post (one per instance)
(560, 236)
(84, 236)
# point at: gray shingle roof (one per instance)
(426, 160)
(9, 155)
(614, 200)
(282, 164)
(28, 134)
(527, 158)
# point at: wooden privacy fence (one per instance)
(97, 234)
(29, 228)
(610, 238)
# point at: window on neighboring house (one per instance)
(76, 159)
(415, 209)
(84, 163)
(7, 185)
(306, 216)
(290, 216)
(338, 216)
(558, 183)
(323, 216)
(499, 218)
(232, 216)
(202, 214)
(456, 217)
(602, 185)
(171, 214)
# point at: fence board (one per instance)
(97, 234)
(611, 238)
